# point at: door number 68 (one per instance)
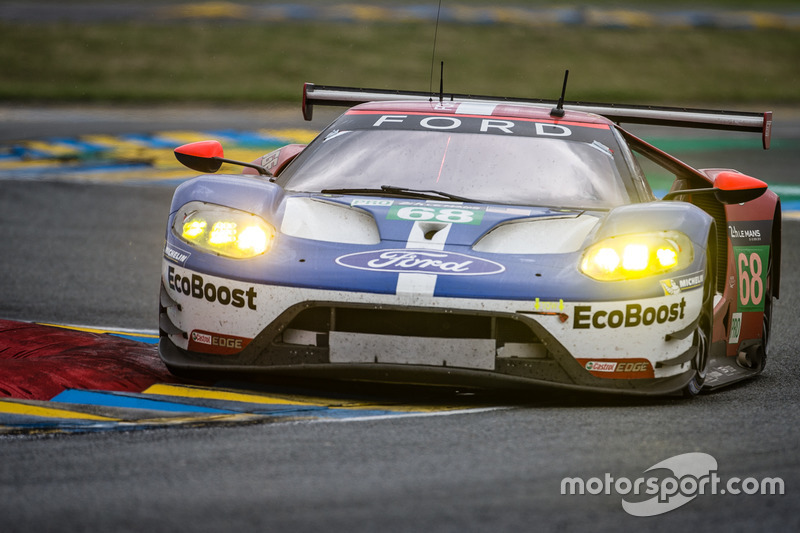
(751, 284)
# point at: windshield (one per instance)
(485, 167)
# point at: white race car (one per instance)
(469, 240)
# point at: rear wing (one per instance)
(754, 122)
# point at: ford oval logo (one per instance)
(421, 262)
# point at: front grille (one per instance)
(432, 324)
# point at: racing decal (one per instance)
(751, 263)
(684, 283)
(371, 202)
(196, 287)
(420, 261)
(447, 215)
(750, 242)
(541, 305)
(736, 328)
(465, 123)
(629, 316)
(208, 342)
(619, 368)
(270, 160)
(176, 254)
(744, 233)
(474, 125)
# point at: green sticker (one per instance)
(448, 215)
(752, 265)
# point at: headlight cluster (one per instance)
(637, 255)
(222, 230)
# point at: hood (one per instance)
(491, 229)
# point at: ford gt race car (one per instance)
(474, 240)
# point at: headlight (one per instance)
(637, 255)
(222, 230)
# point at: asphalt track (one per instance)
(88, 252)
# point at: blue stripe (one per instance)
(109, 399)
(137, 338)
(248, 138)
(148, 141)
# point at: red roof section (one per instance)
(482, 108)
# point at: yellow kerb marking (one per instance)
(101, 331)
(214, 394)
(14, 408)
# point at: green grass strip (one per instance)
(252, 63)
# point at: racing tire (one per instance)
(703, 333)
(766, 323)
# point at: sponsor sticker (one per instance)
(618, 368)
(202, 338)
(216, 343)
(601, 366)
(633, 315)
(176, 254)
(196, 286)
(368, 202)
(684, 283)
(476, 124)
(736, 328)
(420, 261)
(749, 232)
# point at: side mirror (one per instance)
(730, 187)
(202, 156)
(208, 156)
(735, 188)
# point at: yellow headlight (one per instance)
(607, 259)
(233, 233)
(222, 233)
(667, 257)
(194, 228)
(637, 255)
(253, 239)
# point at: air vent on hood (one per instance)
(538, 236)
(309, 218)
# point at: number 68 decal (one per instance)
(751, 268)
(439, 214)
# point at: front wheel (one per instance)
(703, 333)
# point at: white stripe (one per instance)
(475, 108)
(417, 414)
(416, 283)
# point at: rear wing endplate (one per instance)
(755, 122)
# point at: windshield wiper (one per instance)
(425, 194)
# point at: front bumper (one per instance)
(217, 324)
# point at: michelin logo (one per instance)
(684, 283)
(175, 254)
